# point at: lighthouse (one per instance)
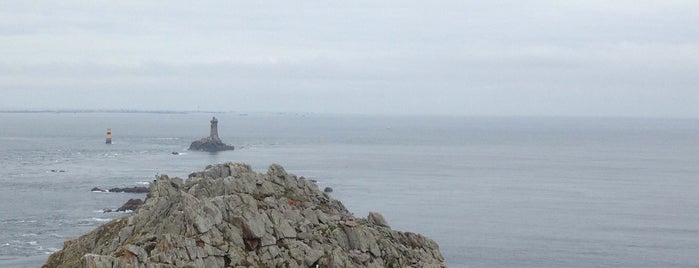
(214, 130)
(109, 136)
(212, 143)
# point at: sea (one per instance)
(491, 191)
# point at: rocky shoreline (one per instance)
(230, 216)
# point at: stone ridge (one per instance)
(230, 216)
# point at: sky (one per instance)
(466, 58)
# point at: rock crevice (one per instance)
(230, 216)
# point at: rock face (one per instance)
(212, 143)
(230, 216)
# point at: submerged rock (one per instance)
(212, 143)
(230, 216)
(95, 189)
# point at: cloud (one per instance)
(438, 57)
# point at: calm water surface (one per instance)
(493, 192)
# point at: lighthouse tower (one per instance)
(212, 143)
(214, 130)
(109, 136)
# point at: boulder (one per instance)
(377, 219)
(230, 216)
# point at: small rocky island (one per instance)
(231, 216)
(212, 143)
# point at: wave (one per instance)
(167, 138)
(16, 221)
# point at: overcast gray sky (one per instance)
(508, 57)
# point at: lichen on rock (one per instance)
(230, 216)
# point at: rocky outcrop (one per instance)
(135, 189)
(230, 216)
(212, 143)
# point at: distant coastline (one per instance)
(135, 111)
(107, 111)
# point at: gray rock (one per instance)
(377, 219)
(131, 205)
(229, 216)
(135, 189)
(97, 261)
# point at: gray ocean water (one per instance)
(493, 192)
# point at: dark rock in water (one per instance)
(212, 143)
(97, 190)
(328, 190)
(230, 216)
(132, 205)
(136, 189)
(175, 153)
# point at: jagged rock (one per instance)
(212, 143)
(377, 219)
(230, 216)
(328, 190)
(132, 205)
(95, 189)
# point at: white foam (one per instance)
(143, 183)
(101, 219)
(33, 243)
